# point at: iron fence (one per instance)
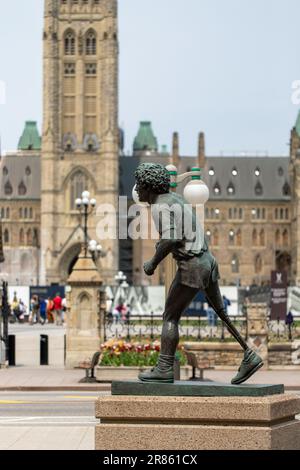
(140, 327)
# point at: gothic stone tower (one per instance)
(294, 169)
(80, 128)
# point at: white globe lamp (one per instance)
(196, 191)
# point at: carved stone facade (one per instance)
(251, 217)
(80, 128)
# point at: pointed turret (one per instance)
(30, 139)
(145, 140)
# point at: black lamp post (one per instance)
(4, 305)
(2, 259)
(86, 207)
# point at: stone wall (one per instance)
(217, 354)
(230, 354)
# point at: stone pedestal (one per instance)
(83, 316)
(131, 422)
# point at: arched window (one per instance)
(235, 265)
(285, 238)
(91, 43)
(277, 238)
(208, 235)
(29, 237)
(258, 264)
(239, 237)
(231, 237)
(35, 237)
(216, 237)
(7, 213)
(70, 43)
(6, 236)
(254, 237)
(262, 237)
(21, 237)
(79, 183)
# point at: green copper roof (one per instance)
(145, 140)
(30, 139)
(298, 124)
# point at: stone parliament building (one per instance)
(251, 219)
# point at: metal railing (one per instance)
(199, 328)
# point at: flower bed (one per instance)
(119, 353)
(121, 360)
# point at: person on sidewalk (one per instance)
(181, 234)
(57, 301)
(50, 310)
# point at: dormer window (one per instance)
(217, 189)
(211, 172)
(257, 172)
(280, 171)
(8, 189)
(286, 190)
(234, 172)
(230, 189)
(22, 190)
(258, 189)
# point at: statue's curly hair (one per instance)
(153, 177)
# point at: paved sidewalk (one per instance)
(56, 379)
(47, 438)
(46, 378)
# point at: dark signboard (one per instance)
(47, 291)
(196, 307)
(278, 295)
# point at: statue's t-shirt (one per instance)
(175, 219)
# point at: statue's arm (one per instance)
(163, 249)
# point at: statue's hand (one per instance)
(149, 268)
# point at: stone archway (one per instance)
(68, 261)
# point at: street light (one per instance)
(121, 293)
(96, 249)
(86, 207)
(121, 279)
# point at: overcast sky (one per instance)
(225, 67)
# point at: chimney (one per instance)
(175, 151)
(201, 150)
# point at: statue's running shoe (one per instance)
(157, 376)
(249, 365)
(163, 372)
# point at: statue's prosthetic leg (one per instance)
(179, 298)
